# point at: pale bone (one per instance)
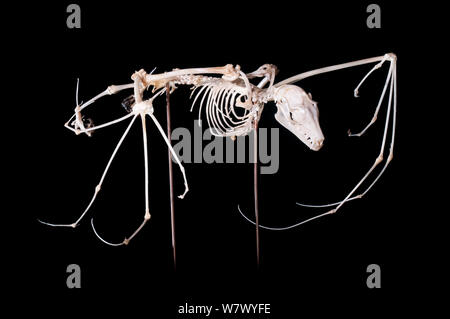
(296, 111)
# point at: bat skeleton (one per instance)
(233, 107)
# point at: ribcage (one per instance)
(220, 100)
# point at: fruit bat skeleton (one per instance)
(233, 107)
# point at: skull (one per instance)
(299, 114)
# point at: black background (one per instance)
(320, 266)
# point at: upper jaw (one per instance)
(313, 144)
(316, 143)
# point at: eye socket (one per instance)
(299, 115)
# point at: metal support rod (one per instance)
(172, 210)
(255, 185)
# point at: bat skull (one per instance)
(297, 112)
